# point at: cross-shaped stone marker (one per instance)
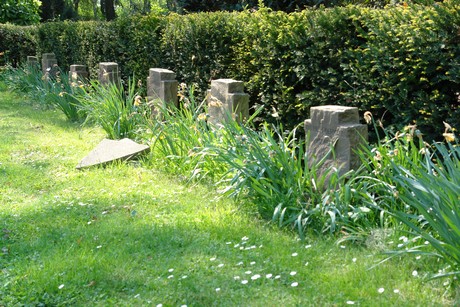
(227, 100)
(338, 128)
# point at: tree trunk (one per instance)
(95, 10)
(147, 6)
(108, 9)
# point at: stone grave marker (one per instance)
(78, 73)
(162, 87)
(336, 127)
(32, 61)
(227, 100)
(49, 64)
(108, 73)
(111, 150)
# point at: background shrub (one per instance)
(401, 62)
(25, 12)
(16, 43)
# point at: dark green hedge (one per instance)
(401, 62)
(16, 43)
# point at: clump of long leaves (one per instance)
(24, 80)
(120, 112)
(431, 193)
(50, 90)
(181, 137)
(266, 167)
(60, 92)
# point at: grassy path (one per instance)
(125, 235)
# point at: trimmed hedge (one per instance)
(16, 43)
(402, 63)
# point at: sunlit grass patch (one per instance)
(127, 235)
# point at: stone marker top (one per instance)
(331, 116)
(48, 56)
(77, 67)
(161, 74)
(108, 66)
(111, 150)
(228, 85)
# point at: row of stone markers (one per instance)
(226, 98)
(330, 128)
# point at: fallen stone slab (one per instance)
(111, 150)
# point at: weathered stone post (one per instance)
(32, 61)
(337, 128)
(227, 100)
(162, 87)
(108, 73)
(78, 73)
(49, 64)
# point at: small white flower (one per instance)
(308, 246)
(381, 290)
(294, 254)
(414, 273)
(400, 245)
(396, 290)
(252, 263)
(228, 243)
(240, 263)
(170, 276)
(184, 277)
(293, 273)
(277, 276)
(269, 275)
(244, 238)
(220, 265)
(61, 286)
(350, 303)
(99, 246)
(294, 284)
(255, 277)
(212, 259)
(418, 257)
(244, 282)
(354, 259)
(171, 270)
(248, 272)
(306, 263)
(160, 305)
(342, 246)
(217, 289)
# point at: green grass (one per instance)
(110, 236)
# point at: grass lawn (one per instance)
(127, 235)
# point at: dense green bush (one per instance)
(16, 43)
(199, 47)
(401, 62)
(25, 12)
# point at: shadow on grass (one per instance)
(111, 248)
(13, 105)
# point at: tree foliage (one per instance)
(25, 12)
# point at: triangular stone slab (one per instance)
(111, 150)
